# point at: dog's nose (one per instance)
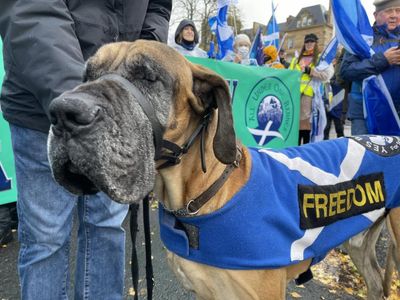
(72, 113)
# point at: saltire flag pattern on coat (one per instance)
(272, 37)
(355, 33)
(219, 26)
(298, 204)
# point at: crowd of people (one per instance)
(186, 42)
(37, 74)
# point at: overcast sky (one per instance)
(260, 10)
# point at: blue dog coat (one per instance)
(298, 203)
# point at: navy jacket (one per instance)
(46, 44)
(356, 70)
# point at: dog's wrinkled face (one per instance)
(101, 139)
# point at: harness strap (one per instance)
(173, 157)
(194, 205)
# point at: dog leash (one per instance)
(133, 224)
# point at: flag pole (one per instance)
(234, 19)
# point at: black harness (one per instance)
(171, 154)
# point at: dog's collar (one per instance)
(194, 205)
(146, 106)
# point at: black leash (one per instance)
(133, 226)
(147, 238)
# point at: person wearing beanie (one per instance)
(241, 51)
(187, 39)
(282, 58)
(305, 64)
(385, 62)
(271, 58)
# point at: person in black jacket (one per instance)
(46, 44)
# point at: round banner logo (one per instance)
(382, 145)
(269, 111)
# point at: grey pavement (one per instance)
(166, 285)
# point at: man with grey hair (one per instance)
(385, 61)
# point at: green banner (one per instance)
(8, 184)
(266, 102)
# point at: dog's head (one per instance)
(101, 139)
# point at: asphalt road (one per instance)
(166, 286)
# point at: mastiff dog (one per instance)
(238, 222)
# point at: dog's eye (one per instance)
(151, 76)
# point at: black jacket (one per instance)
(46, 44)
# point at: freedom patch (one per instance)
(379, 144)
(325, 204)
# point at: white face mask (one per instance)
(243, 51)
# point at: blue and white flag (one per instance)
(318, 115)
(328, 55)
(298, 204)
(355, 33)
(272, 37)
(211, 51)
(319, 120)
(353, 29)
(219, 26)
(256, 49)
(378, 106)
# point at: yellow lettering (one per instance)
(307, 203)
(341, 202)
(363, 200)
(332, 204)
(374, 195)
(321, 202)
(350, 195)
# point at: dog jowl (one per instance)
(100, 138)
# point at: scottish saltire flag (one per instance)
(318, 121)
(375, 91)
(328, 55)
(318, 115)
(298, 204)
(211, 50)
(355, 33)
(338, 96)
(352, 26)
(219, 26)
(272, 37)
(256, 49)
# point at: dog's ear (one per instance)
(213, 91)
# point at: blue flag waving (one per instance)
(355, 33)
(219, 26)
(328, 55)
(272, 37)
(256, 49)
(318, 108)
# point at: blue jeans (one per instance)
(45, 212)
